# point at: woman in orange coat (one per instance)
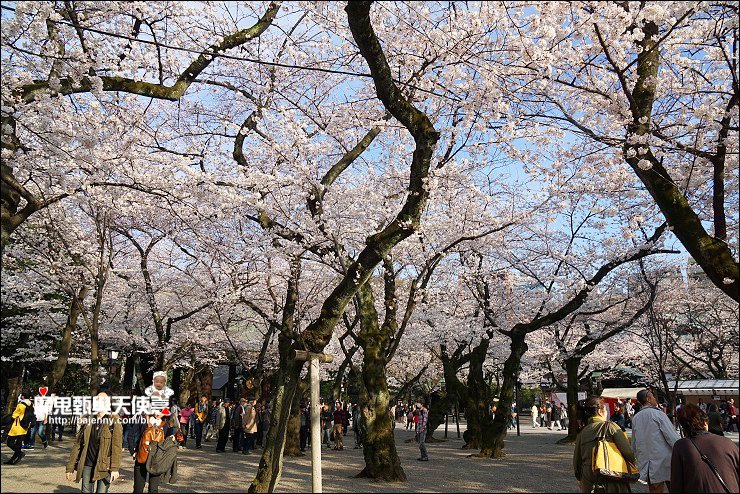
(153, 433)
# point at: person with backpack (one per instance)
(96, 452)
(23, 417)
(152, 434)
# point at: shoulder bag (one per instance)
(608, 462)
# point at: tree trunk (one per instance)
(95, 366)
(572, 366)
(15, 386)
(454, 390)
(378, 445)
(65, 345)
(128, 374)
(208, 382)
(493, 437)
(292, 440)
(141, 384)
(477, 398)
(271, 463)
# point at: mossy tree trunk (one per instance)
(379, 445)
(492, 439)
(292, 441)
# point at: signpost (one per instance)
(314, 359)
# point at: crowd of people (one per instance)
(549, 414)
(701, 461)
(153, 436)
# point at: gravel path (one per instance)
(534, 463)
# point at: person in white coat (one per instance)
(535, 413)
(653, 437)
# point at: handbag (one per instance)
(608, 462)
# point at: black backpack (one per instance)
(29, 417)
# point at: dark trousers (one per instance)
(57, 429)
(259, 435)
(88, 485)
(249, 441)
(184, 429)
(223, 438)
(16, 444)
(238, 439)
(304, 437)
(140, 478)
(198, 433)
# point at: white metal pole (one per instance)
(315, 427)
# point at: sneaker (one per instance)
(46, 444)
(423, 458)
(19, 458)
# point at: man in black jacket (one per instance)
(305, 426)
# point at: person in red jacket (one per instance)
(338, 431)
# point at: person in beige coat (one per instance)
(249, 425)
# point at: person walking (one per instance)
(23, 419)
(594, 413)
(338, 430)
(701, 459)
(356, 418)
(201, 418)
(326, 418)
(237, 425)
(557, 412)
(732, 416)
(185, 414)
(209, 430)
(535, 414)
(96, 452)
(153, 433)
(619, 419)
(305, 426)
(715, 420)
(410, 419)
(653, 437)
(223, 425)
(173, 424)
(265, 423)
(629, 412)
(422, 428)
(40, 424)
(249, 425)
